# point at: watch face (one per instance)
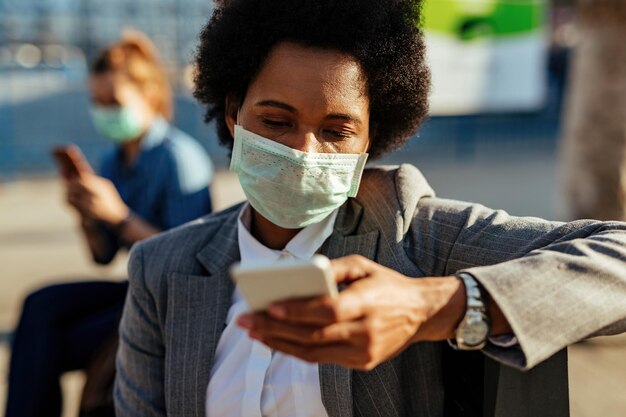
(475, 332)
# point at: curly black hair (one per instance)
(382, 35)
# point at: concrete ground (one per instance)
(40, 244)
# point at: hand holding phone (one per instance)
(263, 285)
(71, 161)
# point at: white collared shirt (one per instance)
(247, 378)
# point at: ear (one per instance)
(230, 113)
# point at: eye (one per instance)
(337, 133)
(275, 123)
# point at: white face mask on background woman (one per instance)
(120, 124)
(291, 188)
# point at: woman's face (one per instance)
(113, 90)
(312, 100)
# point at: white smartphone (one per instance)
(262, 285)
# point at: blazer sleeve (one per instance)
(139, 389)
(556, 283)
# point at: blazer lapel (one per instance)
(336, 381)
(197, 310)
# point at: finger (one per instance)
(72, 200)
(83, 167)
(78, 186)
(75, 189)
(266, 327)
(76, 195)
(342, 354)
(79, 209)
(351, 268)
(88, 182)
(319, 311)
(83, 204)
(65, 175)
(324, 310)
(72, 185)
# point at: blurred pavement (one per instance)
(39, 244)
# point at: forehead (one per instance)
(108, 83)
(304, 75)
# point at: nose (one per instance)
(306, 141)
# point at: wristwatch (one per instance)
(473, 331)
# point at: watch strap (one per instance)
(476, 310)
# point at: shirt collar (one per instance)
(155, 135)
(153, 138)
(302, 246)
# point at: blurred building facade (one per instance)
(45, 46)
(89, 24)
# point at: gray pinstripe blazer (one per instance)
(556, 283)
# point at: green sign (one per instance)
(472, 19)
(486, 55)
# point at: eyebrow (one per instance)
(279, 104)
(344, 117)
(291, 109)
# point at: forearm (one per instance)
(102, 245)
(104, 240)
(553, 300)
(448, 300)
(556, 283)
(134, 229)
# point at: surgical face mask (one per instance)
(119, 124)
(290, 188)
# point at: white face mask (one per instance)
(119, 124)
(291, 188)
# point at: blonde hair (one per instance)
(135, 56)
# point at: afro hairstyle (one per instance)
(382, 35)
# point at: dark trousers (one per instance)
(60, 329)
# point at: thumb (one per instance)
(352, 268)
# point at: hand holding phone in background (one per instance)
(71, 161)
(94, 197)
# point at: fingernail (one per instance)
(277, 311)
(245, 321)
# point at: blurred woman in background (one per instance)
(155, 178)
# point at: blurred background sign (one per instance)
(486, 55)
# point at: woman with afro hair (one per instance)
(304, 92)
